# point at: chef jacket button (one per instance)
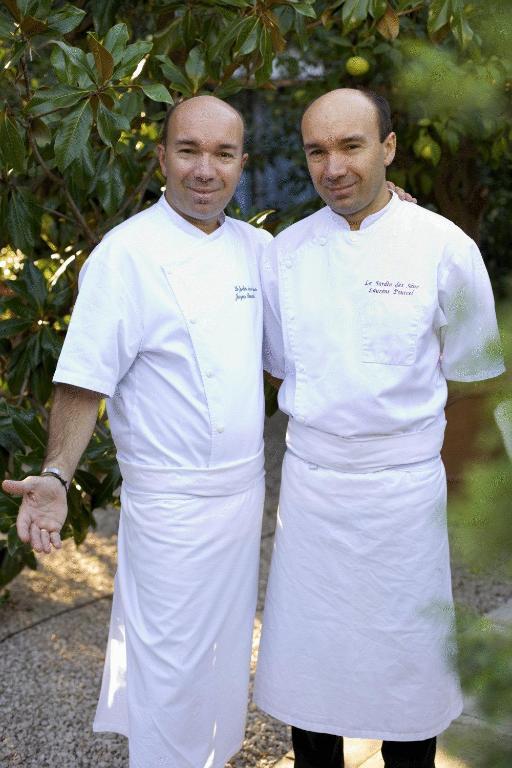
(209, 374)
(322, 240)
(291, 317)
(301, 368)
(220, 428)
(288, 264)
(192, 320)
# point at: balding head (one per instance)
(347, 158)
(205, 105)
(343, 98)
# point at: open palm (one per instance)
(42, 512)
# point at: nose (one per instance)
(204, 170)
(335, 167)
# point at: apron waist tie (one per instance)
(224, 480)
(368, 455)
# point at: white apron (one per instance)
(357, 631)
(177, 668)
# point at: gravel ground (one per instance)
(53, 633)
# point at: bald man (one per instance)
(168, 327)
(370, 306)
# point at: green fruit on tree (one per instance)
(426, 152)
(357, 66)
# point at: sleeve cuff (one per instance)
(94, 385)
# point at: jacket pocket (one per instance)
(389, 331)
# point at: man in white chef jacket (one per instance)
(168, 326)
(370, 306)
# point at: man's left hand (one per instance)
(402, 194)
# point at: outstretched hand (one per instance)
(42, 512)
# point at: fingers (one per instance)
(17, 487)
(23, 525)
(55, 539)
(35, 538)
(45, 541)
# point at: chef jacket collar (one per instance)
(341, 222)
(189, 228)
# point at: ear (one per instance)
(245, 158)
(161, 159)
(389, 144)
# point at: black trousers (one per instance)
(323, 750)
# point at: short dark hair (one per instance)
(381, 104)
(170, 110)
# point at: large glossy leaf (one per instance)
(438, 15)
(29, 430)
(78, 59)
(50, 99)
(354, 12)
(157, 92)
(111, 188)
(12, 147)
(22, 219)
(110, 125)
(132, 56)
(116, 40)
(195, 68)
(35, 282)
(66, 19)
(177, 79)
(73, 134)
(9, 328)
(103, 59)
(248, 36)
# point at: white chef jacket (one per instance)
(181, 367)
(366, 326)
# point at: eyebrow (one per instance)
(344, 140)
(193, 143)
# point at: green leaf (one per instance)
(438, 15)
(66, 19)
(29, 430)
(264, 72)
(31, 26)
(77, 58)
(22, 219)
(173, 73)
(248, 36)
(73, 134)
(14, 326)
(132, 56)
(305, 9)
(102, 58)
(110, 125)
(461, 29)
(51, 99)
(7, 27)
(115, 41)
(195, 68)
(111, 188)
(50, 342)
(157, 92)
(107, 487)
(12, 147)
(35, 282)
(354, 13)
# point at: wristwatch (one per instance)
(55, 472)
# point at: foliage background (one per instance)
(84, 88)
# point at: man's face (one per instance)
(202, 159)
(346, 159)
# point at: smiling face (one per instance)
(202, 159)
(346, 158)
